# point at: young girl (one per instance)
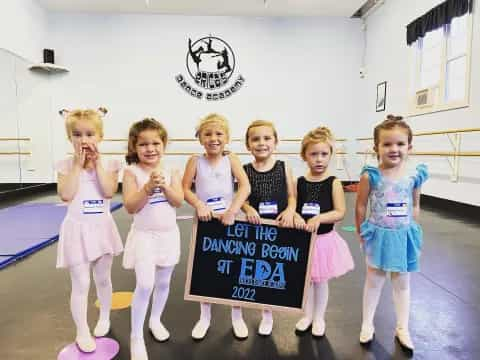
(321, 203)
(151, 192)
(390, 237)
(88, 234)
(214, 196)
(273, 192)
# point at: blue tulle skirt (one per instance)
(396, 250)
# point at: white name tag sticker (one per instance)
(217, 204)
(397, 209)
(93, 207)
(268, 208)
(157, 197)
(311, 209)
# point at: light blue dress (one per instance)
(393, 240)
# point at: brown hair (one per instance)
(136, 129)
(213, 118)
(258, 123)
(94, 116)
(321, 134)
(391, 122)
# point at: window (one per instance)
(440, 70)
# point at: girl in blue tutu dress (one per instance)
(390, 237)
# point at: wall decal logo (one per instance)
(211, 64)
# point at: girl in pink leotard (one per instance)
(88, 234)
(151, 192)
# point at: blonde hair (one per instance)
(321, 134)
(134, 132)
(74, 116)
(258, 123)
(215, 119)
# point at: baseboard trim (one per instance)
(452, 208)
(25, 190)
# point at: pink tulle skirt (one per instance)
(84, 242)
(331, 257)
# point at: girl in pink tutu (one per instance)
(151, 192)
(321, 203)
(88, 234)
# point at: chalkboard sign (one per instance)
(257, 266)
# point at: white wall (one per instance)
(387, 60)
(23, 28)
(300, 72)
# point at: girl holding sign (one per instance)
(321, 203)
(151, 192)
(273, 191)
(88, 235)
(213, 173)
(390, 237)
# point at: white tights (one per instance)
(317, 300)
(80, 275)
(149, 277)
(371, 294)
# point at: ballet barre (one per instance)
(15, 153)
(454, 137)
(181, 153)
(15, 139)
(196, 139)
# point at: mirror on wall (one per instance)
(25, 153)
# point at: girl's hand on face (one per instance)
(79, 156)
(299, 222)
(93, 154)
(312, 224)
(227, 218)
(285, 219)
(252, 216)
(204, 213)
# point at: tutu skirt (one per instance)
(161, 248)
(331, 257)
(396, 250)
(84, 242)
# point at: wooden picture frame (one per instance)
(381, 96)
(209, 274)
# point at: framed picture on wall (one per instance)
(381, 96)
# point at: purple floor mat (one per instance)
(29, 227)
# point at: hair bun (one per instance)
(394, 117)
(63, 112)
(102, 110)
(322, 131)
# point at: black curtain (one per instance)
(440, 15)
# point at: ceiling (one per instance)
(343, 8)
